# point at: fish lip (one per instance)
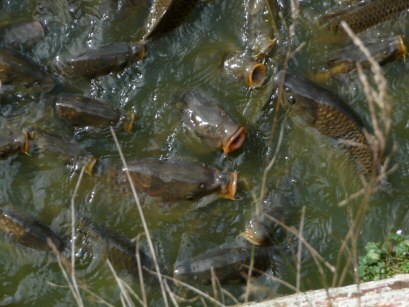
(255, 74)
(403, 49)
(235, 141)
(231, 188)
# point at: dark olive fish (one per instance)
(383, 51)
(29, 231)
(11, 144)
(206, 119)
(20, 75)
(102, 61)
(166, 15)
(178, 180)
(364, 15)
(229, 263)
(120, 250)
(314, 106)
(40, 142)
(82, 111)
(26, 34)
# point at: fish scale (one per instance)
(368, 15)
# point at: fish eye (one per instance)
(291, 100)
(202, 186)
(287, 89)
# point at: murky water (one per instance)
(308, 171)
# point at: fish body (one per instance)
(365, 15)
(19, 74)
(229, 263)
(82, 111)
(179, 180)
(29, 231)
(24, 34)
(206, 119)
(165, 15)
(120, 250)
(11, 144)
(382, 51)
(38, 141)
(110, 58)
(311, 105)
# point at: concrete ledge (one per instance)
(388, 292)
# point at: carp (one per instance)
(169, 180)
(96, 62)
(82, 111)
(311, 105)
(208, 121)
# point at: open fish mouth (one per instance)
(255, 74)
(231, 189)
(236, 141)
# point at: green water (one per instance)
(308, 171)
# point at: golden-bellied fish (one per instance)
(82, 111)
(383, 51)
(29, 231)
(20, 75)
(165, 15)
(229, 262)
(171, 181)
(364, 15)
(314, 106)
(207, 120)
(96, 62)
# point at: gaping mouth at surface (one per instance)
(236, 141)
(231, 189)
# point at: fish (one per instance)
(166, 15)
(120, 250)
(29, 232)
(25, 34)
(252, 72)
(262, 231)
(177, 180)
(312, 105)
(383, 51)
(11, 144)
(38, 141)
(19, 74)
(229, 262)
(82, 111)
(104, 60)
(206, 119)
(364, 15)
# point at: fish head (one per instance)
(228, 184)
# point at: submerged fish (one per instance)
(165, 15)
(11, 144)
(120, 250)
(24, 34)
(314, 106)
(40, 142)
(230, 263)
(178, 180)
(102, 61)
(207, 120)
(20, 75)
(82, 111)
(29, 231)
(383, 51)
(364, 15)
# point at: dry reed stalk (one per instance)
(249, 273)
(140, 273)
(142, 217)
(187, 286)
(124, 296)
(380, 108)
(299, 250)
